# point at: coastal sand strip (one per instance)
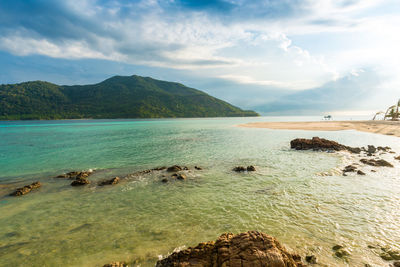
(379, 127)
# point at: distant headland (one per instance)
(117, 97)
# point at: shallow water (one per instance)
(140, 219)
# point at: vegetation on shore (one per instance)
(117, 97)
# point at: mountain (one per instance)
(117, 97)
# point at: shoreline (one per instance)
(377, 127)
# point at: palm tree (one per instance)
(378, 113)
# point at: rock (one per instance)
(198, 168)
(317, 143)
(385, 149)
(377, 162)
(373, 170)
(26, 189)
(164, 180)
(350, 168)
(79, 182)
(251, 168)
(337, 247)
(174, 168)
(76, 174)
(396, 264)
(246, 249)
(390, 254)
(311, 259)
(398, 157)
(359, 172)
(112, 181)
(355, 150)
(239, 169)
(371, 149)
(159, 168)
(181, 177)
(116, 264)
(340, 253)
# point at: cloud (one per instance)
(243, 47)
(346, 93)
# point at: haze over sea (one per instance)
(299, 197)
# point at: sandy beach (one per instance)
(379, 127)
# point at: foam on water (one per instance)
(142, 218)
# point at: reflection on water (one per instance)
(142, 218)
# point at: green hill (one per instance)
(116, 97)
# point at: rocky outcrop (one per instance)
(112, 181)
(377, 162)
(79, 182)
(246, 249)
(177, 168)
(26, 189)
(76, 174)
(316, 143)
(250, 168)
(322, 144)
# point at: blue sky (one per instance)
(277, 56)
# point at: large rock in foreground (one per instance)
(317, 143)
(246, 249)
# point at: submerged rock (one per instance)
(377, 162)
(251, 168)
(112, 181)
(116, 264)
(239, 169)
(76, 174)
(79, 182)
(26, 189)
(164, 180)
(389, 254)
(340, 251)
(181, 176)
(350, 168)
(311, 259)
(198, 168)
(360, 172)
(246, 249)
(174, 168)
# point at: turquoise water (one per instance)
(289, 196)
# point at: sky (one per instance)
(281, 57)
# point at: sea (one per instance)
(299, 197)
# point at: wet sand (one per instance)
(379, 127)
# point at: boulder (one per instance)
(317, 143)
(311, 259)
(76, 174)
(239, 169)
(350, 168)
(360, 172)
(181, 176)
(377, 162)
(26, 189)
(79, 182)
(174, 168)
(251, 168)
(371, 149)
(246, 249)
(112, 181)
(398, 157)
(198, 168)
(164, 180)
